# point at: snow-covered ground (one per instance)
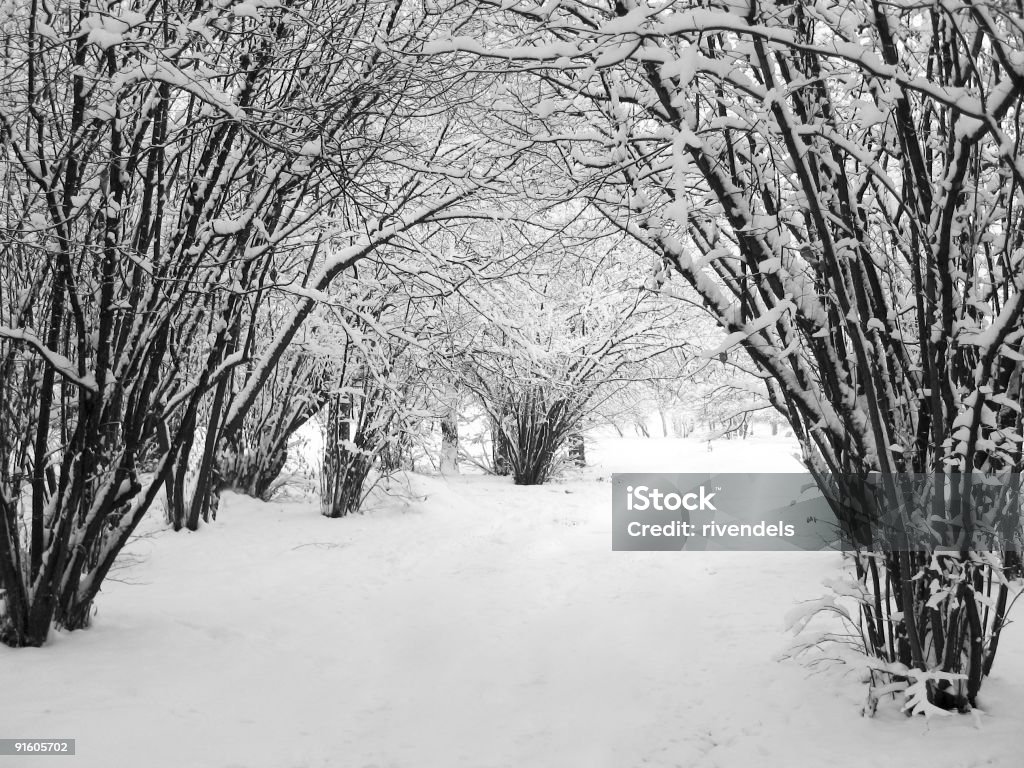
(485, 625)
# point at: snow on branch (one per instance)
(55, 360)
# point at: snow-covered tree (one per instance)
(840, 184)
(159, 162)
(374, 342)
(251, 460)
(548, 340)
(369, 414)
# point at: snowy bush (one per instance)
(161, 167)
(547, 345)
(962, 606)
(362, 424)
(840, 189)
(370, 422)
(251, 459)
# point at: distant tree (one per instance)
(367, 416)
(548, 341)
(252, 459)
(375, 384)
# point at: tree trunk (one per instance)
(500, 450)
(577, 449)
(345, 467)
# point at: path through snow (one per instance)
(487, 626)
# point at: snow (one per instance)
(229, 226)
(59, 362)
(685, 67)
(104, 38)
(246, 10)
(869, 113)
(476, 626)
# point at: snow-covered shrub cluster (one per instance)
(962, 609)
(167, 172)
(541, 349)
(839, 185)
(219, 219)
